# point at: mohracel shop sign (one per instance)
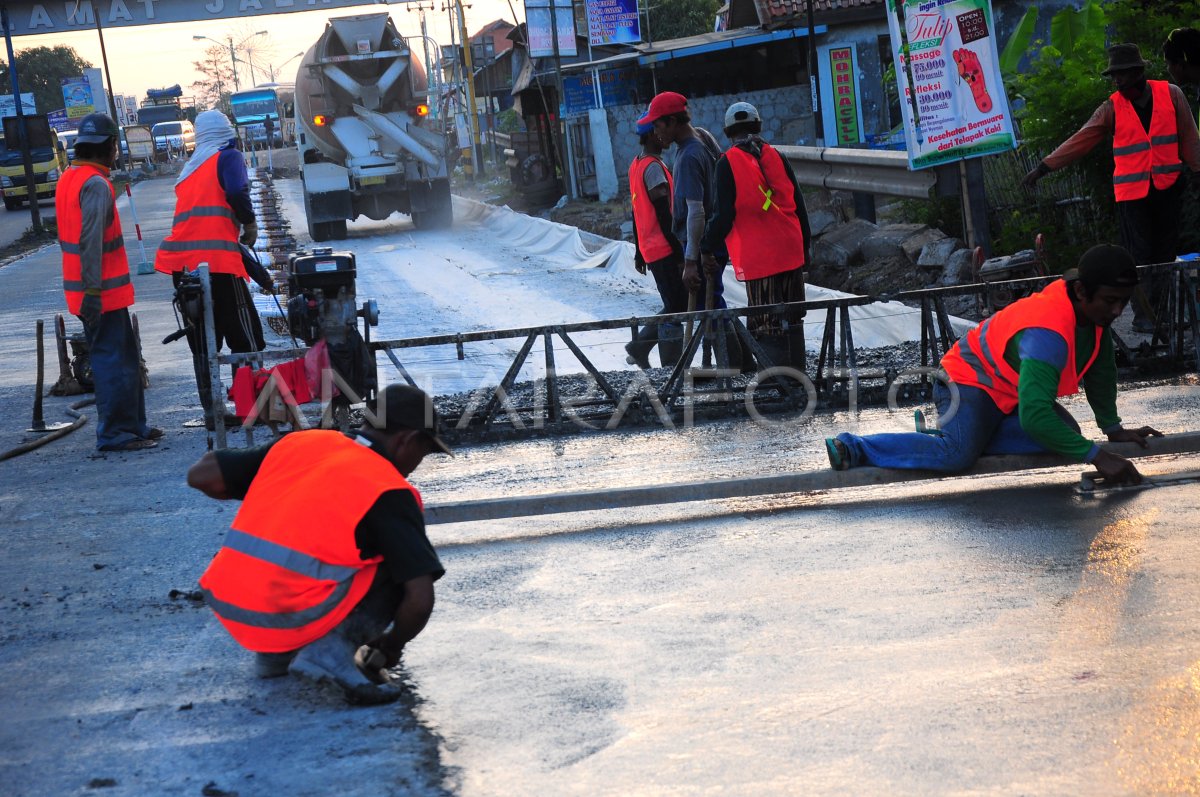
(948, 74)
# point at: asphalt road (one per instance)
(997, 635)
(14, 223)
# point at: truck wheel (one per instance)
(11, 204)
(337, 230)
(436, 219)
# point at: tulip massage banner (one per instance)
(948, 75)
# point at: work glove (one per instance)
(89, 310)
(249, 234)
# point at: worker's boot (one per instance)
(273, 665)
(331, 659)
(670, 344)
(640, 347)
(776, 349)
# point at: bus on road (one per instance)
(269, 101)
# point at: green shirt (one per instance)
(1039, 372)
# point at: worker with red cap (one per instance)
(695, 161)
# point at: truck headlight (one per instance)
(52, 174)
(6, 182)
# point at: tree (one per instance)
(213, 90)
(674, 19)
(40, 70)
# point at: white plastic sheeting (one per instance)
(499, 269)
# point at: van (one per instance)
(49, 162)
(174, 137)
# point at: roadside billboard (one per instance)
(141, 143)
(8, 105)
(77, 97)
(841, 95)
(59, 121)
(613, 22)
(948, 75)
(538, 20)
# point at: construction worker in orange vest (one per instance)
(656, 248)
(212, 200)
(1153, 135)
(326, 572)
(98, 287)
(1004, 376)
(760, 218)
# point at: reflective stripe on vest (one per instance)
(651, 241)
(1142, 158)
(205, 228)
(116, 287)
(977, 358)
(766, 237)
(290, 569)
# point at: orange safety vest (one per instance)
(116, 288)
(1141, 157)
(289, 570)
(980, 362)
(651, 240)
(766, 237)
(205, 229)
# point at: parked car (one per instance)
(67, 137)
(175, 136)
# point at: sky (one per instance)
(156, 56)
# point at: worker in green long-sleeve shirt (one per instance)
(1005, 375)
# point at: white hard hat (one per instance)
(741, 112)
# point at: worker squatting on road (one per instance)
(98, 287)
(760, 218)
(651, 191)
(328, 548)
(212, 197)
(1004, 375)
(1153, 136)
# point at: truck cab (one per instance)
(49, 162)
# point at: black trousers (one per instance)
(1150, 231)
(235, 322)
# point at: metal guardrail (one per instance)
(863, 170)
(837, 380)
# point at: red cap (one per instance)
(664, 104)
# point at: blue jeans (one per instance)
(978, 427)
(117, 373)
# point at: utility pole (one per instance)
(233, 62)
(469, 79)
(35, 214)
(814, 79)
(558, 85)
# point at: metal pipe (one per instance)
(496, 508)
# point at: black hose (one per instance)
(80, 420)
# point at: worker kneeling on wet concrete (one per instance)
(1005, 374)
(327, 572)
(760, 218)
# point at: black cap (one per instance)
(1105, 264)
(96, 128)
(399, 407)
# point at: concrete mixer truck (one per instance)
(361, 123)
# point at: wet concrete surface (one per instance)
(993, 635)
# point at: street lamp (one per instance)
(285, 63)
(233, 59)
